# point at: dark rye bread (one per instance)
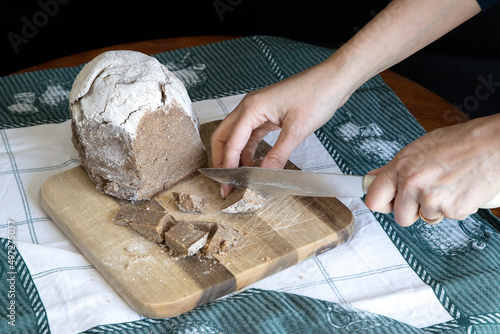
(184, 239)
(148, 218)
(222, 241)
(243, 201)
(133, 126)
(206, 239)
(189, 203)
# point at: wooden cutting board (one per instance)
(285, 232)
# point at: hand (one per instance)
(453, 171)
(298, 105)
(301, 104)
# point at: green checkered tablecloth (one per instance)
(385, 279)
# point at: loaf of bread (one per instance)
(133, 125)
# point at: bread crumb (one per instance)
(242, 201)
(189, 203)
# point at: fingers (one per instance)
(225, 190)
(289, 139)
(219, 138)
(256, 137)
(218, 141)
(224, 155)
(390, 192)
(431, 206)
(236, 142)
(406, 207)
(382, 191)
(232, 136)
(431, 221)
(237, 137)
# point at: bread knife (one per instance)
(300, 183)
(291, 182)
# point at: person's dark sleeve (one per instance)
(487, 4)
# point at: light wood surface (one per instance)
(285, 232)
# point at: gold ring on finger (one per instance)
(431, 221)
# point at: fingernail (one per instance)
(222, 193)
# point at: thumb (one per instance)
(278, 156)
(382, 192)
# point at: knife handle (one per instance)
(367, 181)
(494, 203)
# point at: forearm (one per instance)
(401, 29)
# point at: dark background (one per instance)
(452, 67)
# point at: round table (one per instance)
(430, 110)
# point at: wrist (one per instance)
(342, 75)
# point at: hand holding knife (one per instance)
(300, 183)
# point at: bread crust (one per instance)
(132, 146)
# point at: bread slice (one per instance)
(184, 240)
(148, 218)
(243, 201)
(222, 241)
